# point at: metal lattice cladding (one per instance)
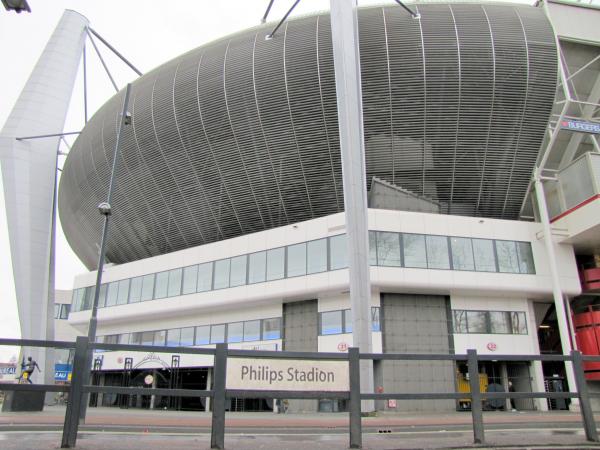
(241, 135)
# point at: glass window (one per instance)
(338, 252)
(296, 260)
(187, 336)
(477, 321)
(136, 338)
(271, 328)
(148, 287)
(375, 320)
(483, 250)
(205, 273)
(347, 321)
(316, 256)
(217, 334)
(162, 283)
(372, 248)
(222, 273)
(388, 249)
(275, 264)
(462, 253)
(499, 322)
(238, 271)
(88, 296)
(56, 310)
(414, 250)
(147, 338)
(174, 282)
(518, 322)
(123, 294)
(257, 271)
(173, 337)
(525, 257)
(202, 335)
(102, 299)
(437, 252)
(331, 322)
(190, 280)
(160, 337)
(76, 299)
(124, 338)
(111, 339)
(252, 330)
(135, 290)
(235, 332)
(459, 318)
(64, 311)
(111, 296)
(508, 262)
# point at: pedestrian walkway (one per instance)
(115, 429)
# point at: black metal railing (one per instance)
(219, 393)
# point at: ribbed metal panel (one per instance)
(241, 135)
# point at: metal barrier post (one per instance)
(589, 424)
(354, 376)
(217, 432)
(476, 409)
(71, 425)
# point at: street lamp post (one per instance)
(105, 210)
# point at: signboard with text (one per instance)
(287, 375)
(62, 372)
(581, 126)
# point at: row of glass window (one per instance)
(489, 322)
(61, 311)
(321, 255)
(340, 321)
(248, 331)
(453, 253)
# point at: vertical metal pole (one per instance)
(346, 58)
(589, 424)
(71, 425)
(93, 319)
(476, 410)
(217, 432)
(354, 376)
(559, 305)
(85, 103)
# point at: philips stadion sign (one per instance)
(580, 125)
(287, 375)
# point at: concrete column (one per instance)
(28, 177)
(346, 58)
(561, 316)
(537, 372)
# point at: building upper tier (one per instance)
(241, 135)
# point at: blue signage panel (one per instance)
(10, 370)
(62, 372)
(580, 125)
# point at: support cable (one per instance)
(415, 15)
(131, 66)
(102, 60)
(24, 138)
(270, 36)
(264, 18)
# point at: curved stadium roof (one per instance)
(241, 135)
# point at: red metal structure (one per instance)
(587, 334)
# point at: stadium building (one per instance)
(228, 217)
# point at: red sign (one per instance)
(492, 347)
(343, 347)
(120, 360)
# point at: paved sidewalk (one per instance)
(116, 429)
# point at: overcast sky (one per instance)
(148, 33)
